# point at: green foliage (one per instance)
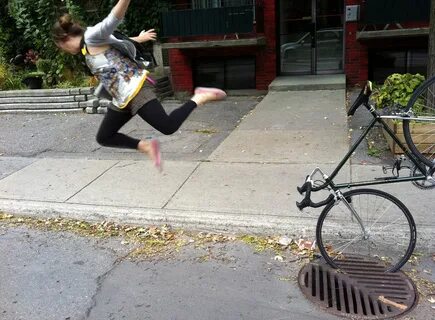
(145, 15)
(11, 40)
(3, 74)
(35, 19)
(43, 65)
(9, 80)
(397, 90)
(27, 24)
(80, 80)
(33, 74)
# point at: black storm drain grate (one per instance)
(360, 289)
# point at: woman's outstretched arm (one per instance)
(120, 9)
(145, 36)
(102, 31)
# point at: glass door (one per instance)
(329, 36)
(311, 36)
(296, 36)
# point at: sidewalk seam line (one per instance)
(28, 165)
(100, 175)
(181, 186)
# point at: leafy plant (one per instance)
(43, 65)
(397, 90)
(8, 79)
(27, 24)
(3, 74)
(80, 80)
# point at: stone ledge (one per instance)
(45, 99)
(35, 106)
(260, 41)
(90, 103)
(45, 92)
(396, 33)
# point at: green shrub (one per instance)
(397, 90)
(65, 85)
(43, 65)
(3, 74)
(79, 81)
(9, 80)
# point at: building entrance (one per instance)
(311, 36)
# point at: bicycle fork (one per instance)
(349, 205)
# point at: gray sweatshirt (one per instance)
(102, 34)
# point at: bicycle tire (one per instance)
(420, 141)
(389, 251)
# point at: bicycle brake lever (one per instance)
(306, 202)
(303, 188)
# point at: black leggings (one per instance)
(152, 112)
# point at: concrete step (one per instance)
(309, 82)
(40, 106)
(46, 92)
(44, 99)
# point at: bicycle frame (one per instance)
(377, 118)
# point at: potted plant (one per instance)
(393, 97)
(32, 79)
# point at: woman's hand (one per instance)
(145, 36)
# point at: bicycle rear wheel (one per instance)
(420, 132)
(390, 232)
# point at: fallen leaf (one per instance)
(278, 258)
(285, 241)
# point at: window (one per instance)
(205, 4)
(233, 73)
(382, 63)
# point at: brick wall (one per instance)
(356, 52)
(356, 57)
(181, 60)
(266, 58)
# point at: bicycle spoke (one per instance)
(387, 237)
(422, 105)
(381, 216)
(383, 228)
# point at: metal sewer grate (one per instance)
(360, 289)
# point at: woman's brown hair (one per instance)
(64, 27)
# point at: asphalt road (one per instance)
(48, 275)
(72, 135)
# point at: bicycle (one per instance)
(354, 223)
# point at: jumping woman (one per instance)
(113, 62)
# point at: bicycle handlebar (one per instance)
(306, 202)
(363, 98)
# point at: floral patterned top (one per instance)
(120, 76)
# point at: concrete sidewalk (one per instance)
(248, 184)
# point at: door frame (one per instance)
(313, 36)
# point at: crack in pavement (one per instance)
(100, 280)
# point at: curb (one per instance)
(192, 220)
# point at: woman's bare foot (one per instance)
(152, 149)
(203, 95)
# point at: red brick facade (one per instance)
(356, 54)
(181, 60)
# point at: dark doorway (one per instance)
(311, 36)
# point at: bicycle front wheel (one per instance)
(420, 132)
(369, 224)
